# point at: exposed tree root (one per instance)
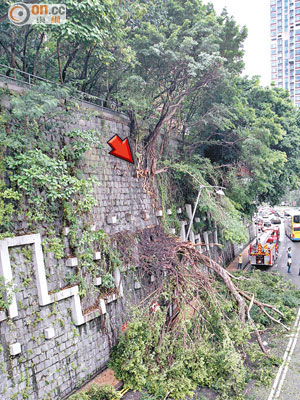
(185, 270)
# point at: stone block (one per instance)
(182, 231)
(137, 285)
(173, 231)
(159, 213)
(98, 281)
(112, 297)
(72, 262)
(97, 255)
(111, 220)
(49, 333)
(15, 348)
(2, 316)
(188, 208)
(197, 219)
(128, 217)
(66, 230)
(179, 211)
(169, 211)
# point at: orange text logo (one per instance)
(21, 14)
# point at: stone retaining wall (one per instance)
(48, 344)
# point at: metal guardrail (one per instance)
(25, 79)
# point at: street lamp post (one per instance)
(219, 191)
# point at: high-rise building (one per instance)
(285, 46)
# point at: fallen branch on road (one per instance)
(201, 306)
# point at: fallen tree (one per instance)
(201, 330)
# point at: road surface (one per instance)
(286, 385)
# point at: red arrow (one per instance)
(120, 148)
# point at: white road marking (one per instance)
(281, 374)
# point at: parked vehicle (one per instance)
(264, 252)
(292, 226)
(258, 220)
(276, 220)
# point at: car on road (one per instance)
(258, 220)
(276, 220)
(267, 224)
(266, 221)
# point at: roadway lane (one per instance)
(286, 385)
(281, 262)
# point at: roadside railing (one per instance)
(22, 78)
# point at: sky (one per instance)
(255, 14)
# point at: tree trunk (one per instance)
(59, 61)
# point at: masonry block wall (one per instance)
(49, 345)
(56, 354)
(50, 341)
(123, 204)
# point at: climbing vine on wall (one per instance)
(187, 179)
(41, 155)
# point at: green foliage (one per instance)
(164, 366)
(108, 281)
(95, 392)
(220, 209)
(6, 293)
(55, 245)
(105, 392)
(92, 33)
(35, 170)
(250, 135)
(79, 396)
(271, 288)
(8, 201)
(167, 197)
(42, 176)
(39, 164)
(164, 361)
(83, 242)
